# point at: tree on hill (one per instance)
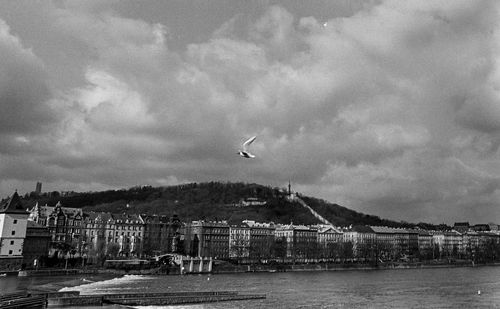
(210, 200)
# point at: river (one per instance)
(404, 288)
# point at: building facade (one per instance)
(207, 239)
(13, 224)
(239, 242)
(161, 234)
(36, 245)
(301, 241)
(329, 239)
(128, 233)
(262, 240)
(363, 241)
(64, 225)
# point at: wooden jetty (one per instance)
(73, 298)
(22, 299)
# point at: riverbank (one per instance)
(231, 268)
(339, 267)
(227, 268)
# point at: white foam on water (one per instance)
(115, 284)
(170, 307)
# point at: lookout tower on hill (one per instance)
(38, 189)
(290, 194)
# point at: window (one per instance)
(13, 232)
(11, 242)
(15, 221)
(10, 251)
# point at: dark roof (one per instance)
(13, 205)
(34, 225)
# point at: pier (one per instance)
(197, 265)
(74, 299)
(22, 299)
(188, 265)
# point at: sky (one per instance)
(390, 108)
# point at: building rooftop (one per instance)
(47, 211)
(13, 205)
(328, 228)
(253, 224)
(362, 229)
(390, 230)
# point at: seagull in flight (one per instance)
(245, 153)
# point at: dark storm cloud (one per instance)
(23, 88)
(391, 108)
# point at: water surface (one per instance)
(405, 288)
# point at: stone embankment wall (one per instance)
(9, 264)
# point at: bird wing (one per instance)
(248, 142)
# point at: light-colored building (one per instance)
(252, 201)
(128, 232)
(438, 241)
(395, 243)
(449, 243)
(363, 240)
(471, 242)
(452, 245)
(97, 233)
(103, 230)
(239, 242)
(261, 239)
(301, 241)
(13, 224)
(329, 240)
(425, 244)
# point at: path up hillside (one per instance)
(312, 211)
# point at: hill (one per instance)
(210, 201)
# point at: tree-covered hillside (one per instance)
(210, 201)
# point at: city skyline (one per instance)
(389, 108)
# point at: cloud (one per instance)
(392, 110)
(23, 89)
(423, 186)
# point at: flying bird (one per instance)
(245, 153)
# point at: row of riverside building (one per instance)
(29, 235)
